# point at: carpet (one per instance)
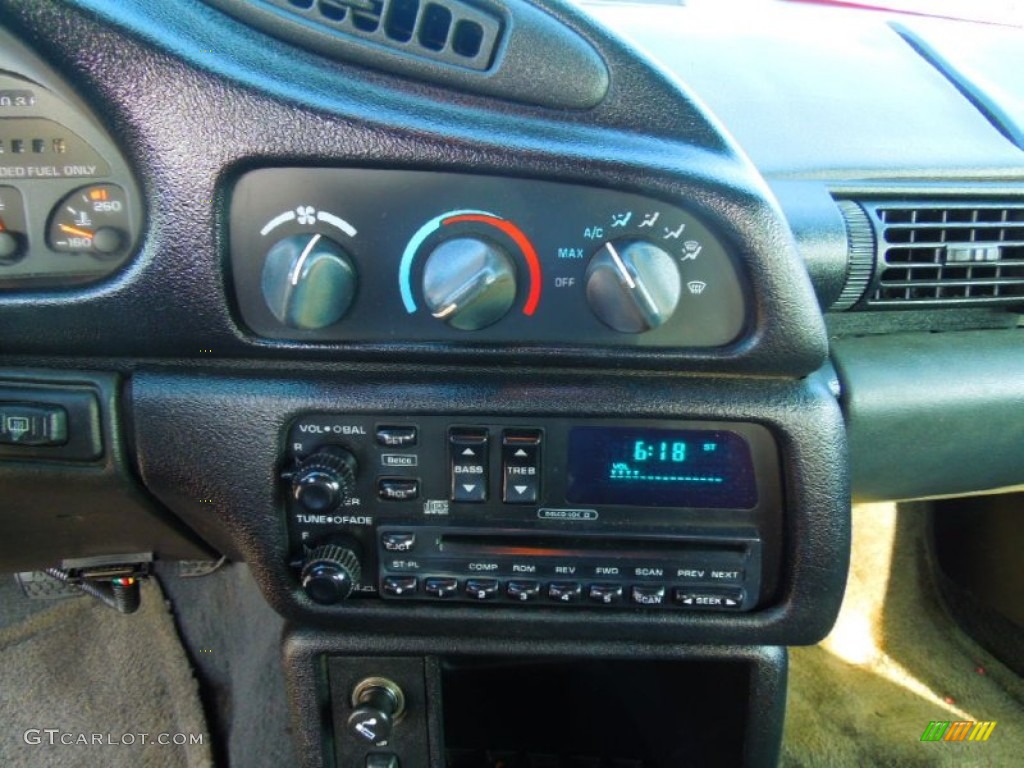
(894, 662)
(82, 686)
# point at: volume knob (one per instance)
(331, 573)
(324, 480)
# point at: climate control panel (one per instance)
(670, 515)
(359, 255)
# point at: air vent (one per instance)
(947, 253)
(506, 49)
(445, 31)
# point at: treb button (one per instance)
(468, 462)
(520, 466)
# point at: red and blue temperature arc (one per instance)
(478, 217)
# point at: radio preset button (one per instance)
(440, 586)
(721, 599)
(606, 594)
(468, 462)
(396, 437)
(649, 594)
(482, 589)
(520, 466)
(565, 591)
(398, 542)
(399, 585)
(398, 488)
(522, 590)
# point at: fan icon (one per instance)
(307, 214)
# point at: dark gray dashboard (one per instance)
(228, 129)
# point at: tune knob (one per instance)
(469, 282)
(632, 285)
(331, 573)
(309, 281)
(324, 480)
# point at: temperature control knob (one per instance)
(469, 283)
(309, 282)
(324, 480)
(331, 573)
(632, 285)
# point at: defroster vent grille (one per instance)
(941, 253)
(446, 31)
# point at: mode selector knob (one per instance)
(469, 282)
(331, 573)
(324, 480)
(633, 285)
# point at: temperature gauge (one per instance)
(91, 220)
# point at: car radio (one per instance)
(534, 511)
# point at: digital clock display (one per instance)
(637, 466)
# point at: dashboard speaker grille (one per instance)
(947, 252)
(446, 31)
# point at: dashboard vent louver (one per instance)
(946, 253)
(447, 31)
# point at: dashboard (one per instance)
(587, 321)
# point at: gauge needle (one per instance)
(76, 231)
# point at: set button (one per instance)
(396, 437)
